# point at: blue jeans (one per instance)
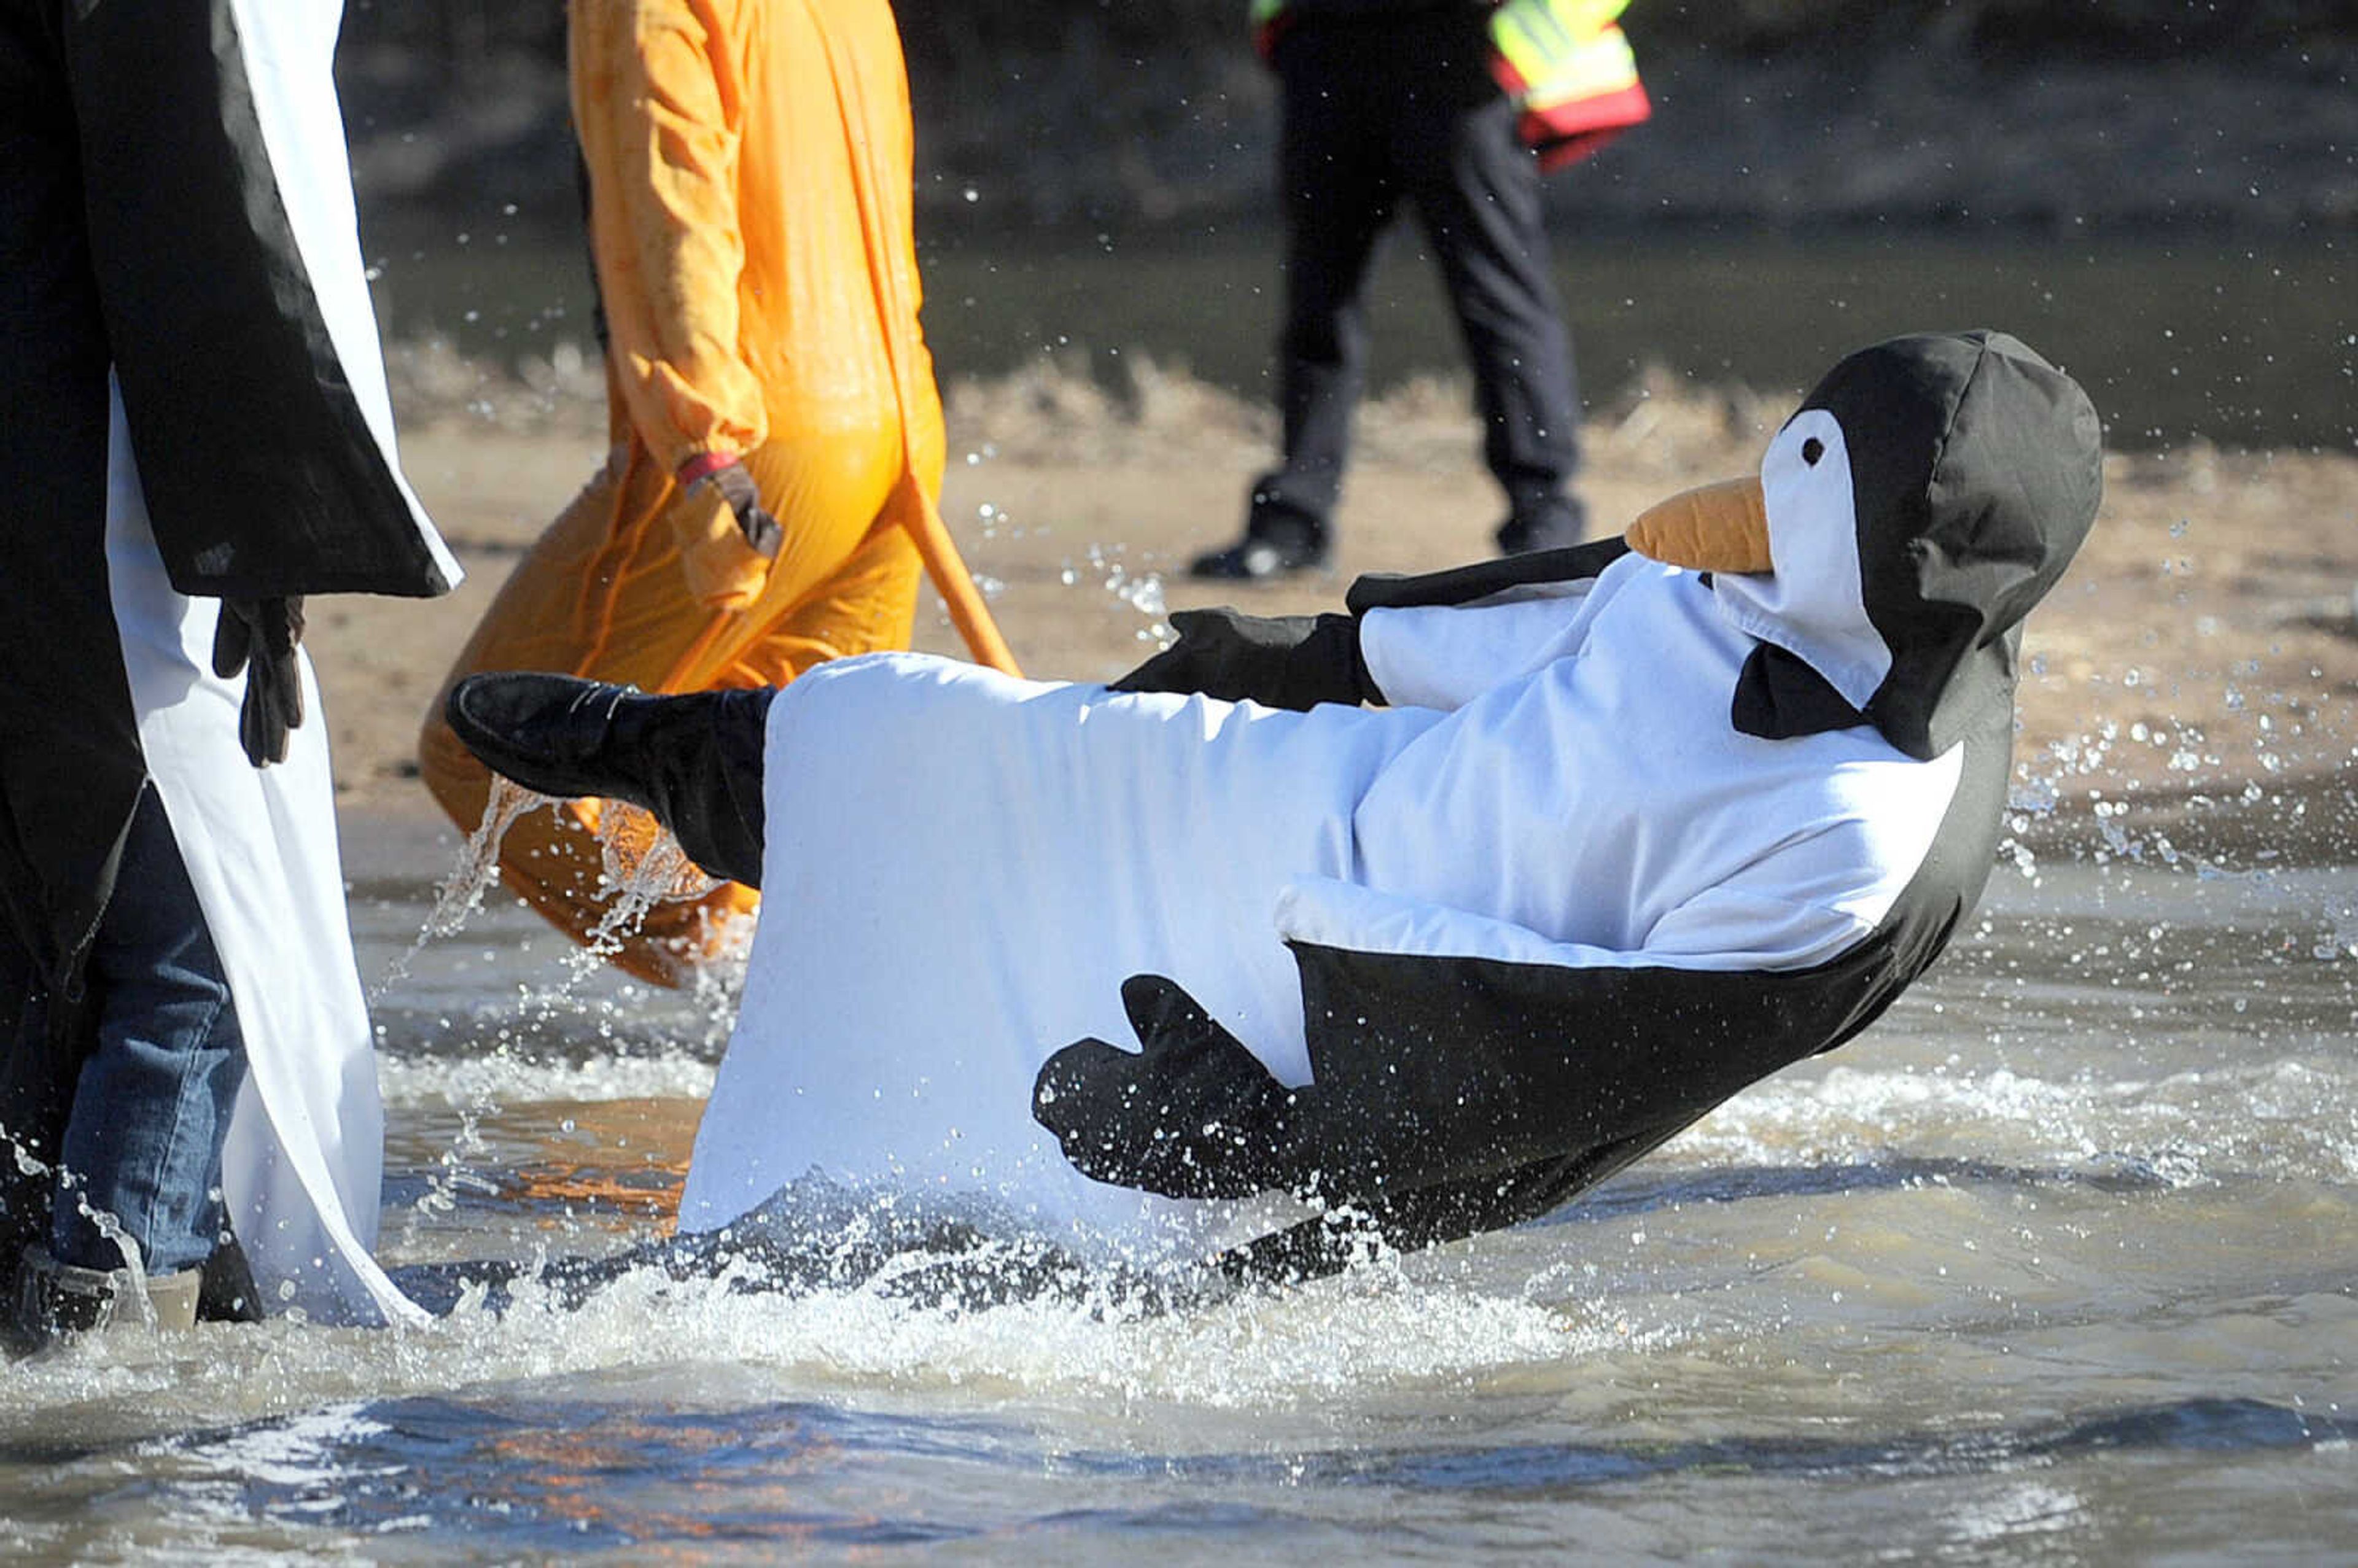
(152, 1106)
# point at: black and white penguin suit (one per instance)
(193, 408)
(1626, 835)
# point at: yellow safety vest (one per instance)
(1566, 64)
(1267, 17)
(1568, 67)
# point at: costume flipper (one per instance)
(1480, 579)
(1286, 661)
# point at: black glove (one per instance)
(1289, 661)
(744, 498)
(258, 636)
(1193, 1115)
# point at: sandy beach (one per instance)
(2189, 688)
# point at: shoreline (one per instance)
(2203, 646)
(1897, 123)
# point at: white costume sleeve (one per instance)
(290, 53)
(1445, 655)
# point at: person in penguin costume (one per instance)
(1428, 914)
(195, 435)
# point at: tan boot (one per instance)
(56, 1299)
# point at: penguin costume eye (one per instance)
(1805, 475)
(1813, 605)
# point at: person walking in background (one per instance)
(1457, 107)
(776, 433)
(194, 434)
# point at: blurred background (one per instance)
(2163, 194)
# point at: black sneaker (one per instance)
(1251, 559)
(1549, 526)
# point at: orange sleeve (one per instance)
(657, 101)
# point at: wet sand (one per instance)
(2196, 672)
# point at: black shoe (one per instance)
(1554, 524)
(1257, 560)
(553, 734)
(695, 761)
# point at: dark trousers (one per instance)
(1375, 111)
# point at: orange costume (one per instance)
(750, 167)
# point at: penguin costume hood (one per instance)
(1432, 912)
(1928, 492)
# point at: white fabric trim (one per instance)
(302, 1165)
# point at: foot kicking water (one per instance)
(693, 761)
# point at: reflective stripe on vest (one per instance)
(1558, 49)
(1569, 70)
(1566, 64)
(1266, 16)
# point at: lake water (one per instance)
(2244, 341)
(2057, 1264)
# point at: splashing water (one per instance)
(460, 894)
(642, 866)
(133, 1291)
(2065, 1182)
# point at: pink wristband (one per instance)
(704, 465)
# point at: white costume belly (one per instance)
(1605, 804)
(961, 870)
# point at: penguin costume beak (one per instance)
(1720, 527)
